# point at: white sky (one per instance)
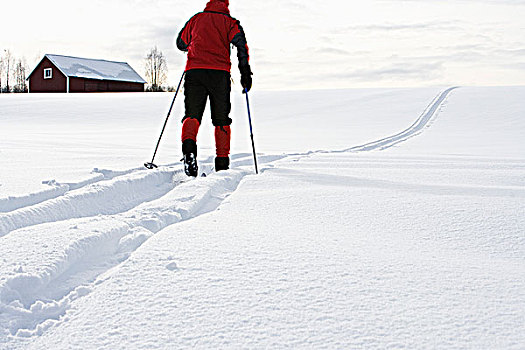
(294, 44)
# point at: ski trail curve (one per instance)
(58, 189)
(413, 130)
(111, 192)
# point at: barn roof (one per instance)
(95, 69)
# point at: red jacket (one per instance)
(207, 37)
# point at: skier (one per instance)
(207, 37)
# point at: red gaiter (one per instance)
(222, 140)
(190, 129)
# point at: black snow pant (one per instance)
(201, 84)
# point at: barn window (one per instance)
(48, 73)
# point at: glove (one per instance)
(246, 78)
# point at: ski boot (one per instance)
(190, 165)
(189, 150)
(222, 163)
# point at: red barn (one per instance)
(73, 74)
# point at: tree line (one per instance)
(13, 73)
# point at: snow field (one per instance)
(420, 245)
(343, 263)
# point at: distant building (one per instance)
(57, 73)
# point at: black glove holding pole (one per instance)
(246, 78)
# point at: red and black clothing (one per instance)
(207, 37)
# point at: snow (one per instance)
(95, 69)
(381, 219)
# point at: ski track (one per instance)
(57, 189)
(414, 130)
(89, 246)
(34, 301)
(11, 203)
(102, 221)
(109, 197)
(8, 204)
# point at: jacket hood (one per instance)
(218, 6)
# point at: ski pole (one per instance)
(251, 130)
(151, 165)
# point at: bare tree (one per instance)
(156, 69)
(8, 63)
(1, 72)
(20, 76)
